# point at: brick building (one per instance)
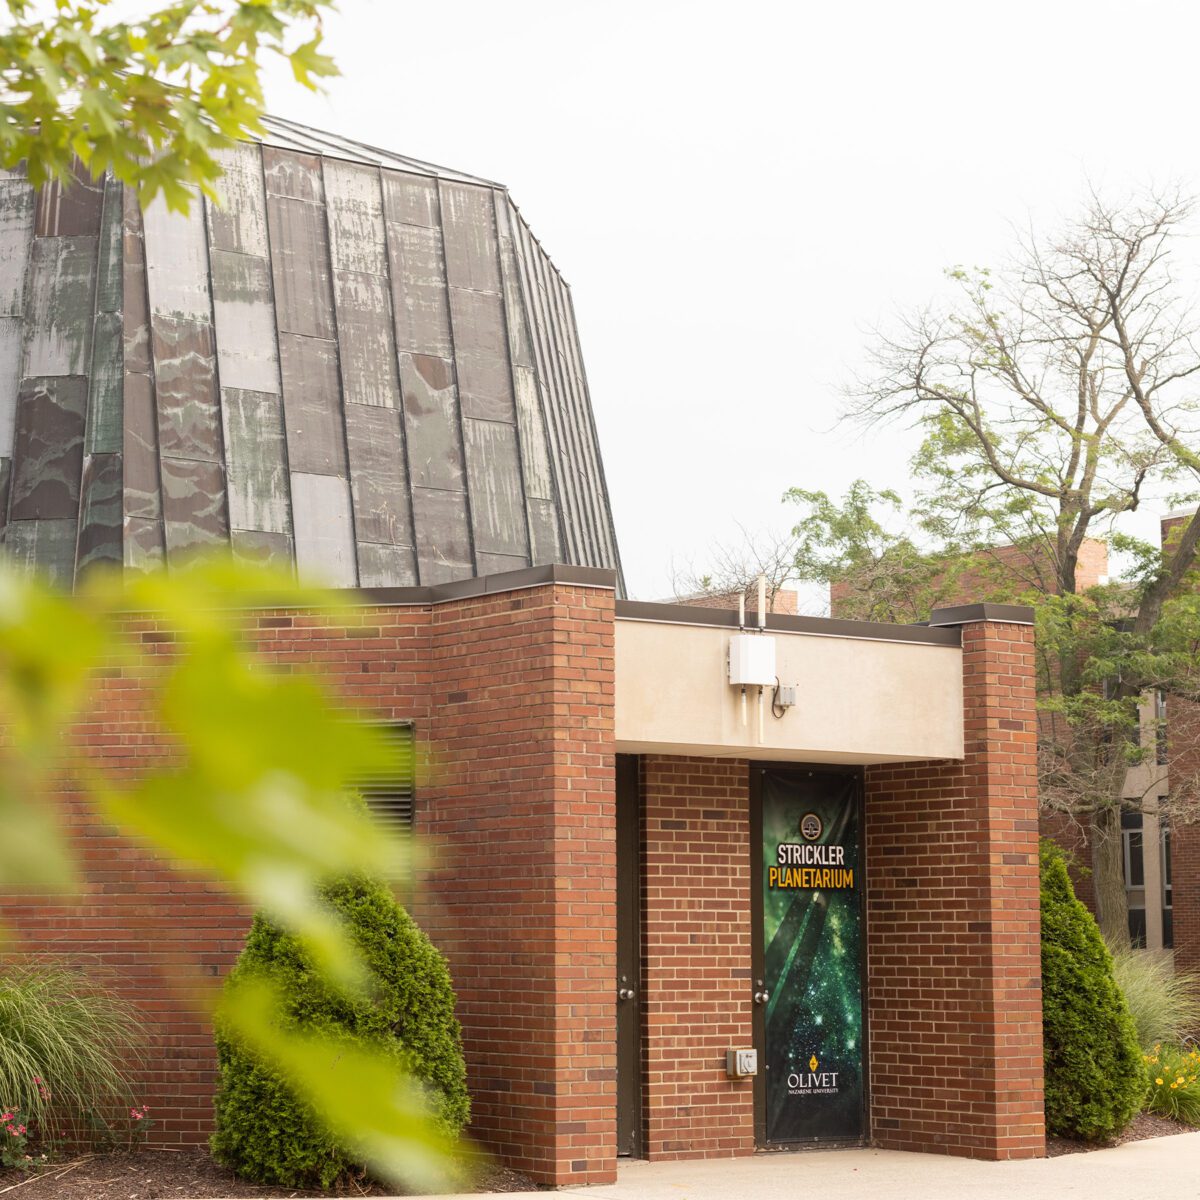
(703, 889)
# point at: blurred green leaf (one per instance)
(33, 853)
(49, 647)
(259, 794)
(379, 1111)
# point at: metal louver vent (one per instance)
(389, 794)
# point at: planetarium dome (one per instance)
(357, 362)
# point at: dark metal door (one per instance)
(809, 955)
(628, 984)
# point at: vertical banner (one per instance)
(812, 889)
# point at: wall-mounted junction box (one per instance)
(741, 1064)
(752, 660)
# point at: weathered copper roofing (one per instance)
(287, 135)
(359, 362)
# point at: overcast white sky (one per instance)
(738, 193)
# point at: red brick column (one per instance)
(953, 933)
(522, 809)
(696, 955)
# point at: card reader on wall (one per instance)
(741, 1064)
(752, 660)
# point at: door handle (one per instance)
(761, 997)
(625, 993)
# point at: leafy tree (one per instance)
(1053, 395)
(1094, 1077)
(1055, 391)
(152, 99)
(876, 571)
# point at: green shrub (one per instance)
(264, 1131)
(69, 1051)
(1095, 1076)
(1164, 1003)
(1174, 1083)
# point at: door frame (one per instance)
(629, 1035)
(758, 950)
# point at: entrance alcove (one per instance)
(900, 955)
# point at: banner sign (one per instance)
(812, 967)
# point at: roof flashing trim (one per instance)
(600, 578)
(486, 585)
(682, 614)
(966, 614)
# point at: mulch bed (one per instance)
(1144, 1125)
(183, 1175)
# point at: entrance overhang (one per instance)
(864, 692)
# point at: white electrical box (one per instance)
(752, 660)
(741, 1064)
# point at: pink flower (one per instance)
(7, 1116)
(11, 1129)
(20, 1128)
(37, 1079)
(137, 1116)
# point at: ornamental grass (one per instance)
(1164, 1003)
(69, 1052)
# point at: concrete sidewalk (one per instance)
(1166, 1168)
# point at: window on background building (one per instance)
(1160, 727)
(1135, 876)
(1168, 916)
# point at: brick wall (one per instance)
(954, 994)
(1183, 734)
(156, 932)
(696, 955)
(1185, 866)
(512, 698)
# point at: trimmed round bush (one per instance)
(264, 1131)
(1095, 1078)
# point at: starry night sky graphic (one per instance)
(813, 965)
